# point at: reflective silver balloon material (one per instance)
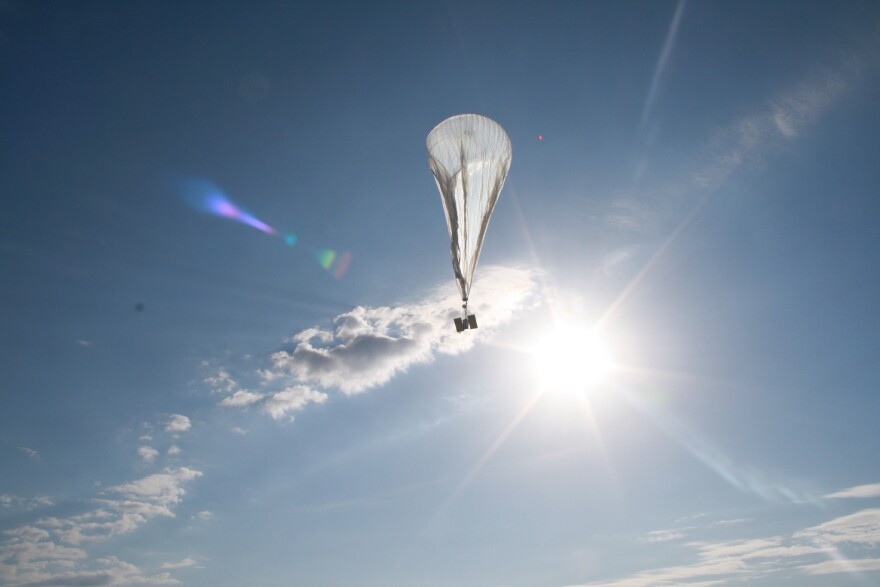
(469, 156)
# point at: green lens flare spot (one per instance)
(326, 258)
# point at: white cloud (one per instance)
(239, 431)
(293, 399)
(148, 453)
(113, 571)
(28, 555)
(862, 528)
(368, 346)
(50, 550)
(15, 502)
(278, 404)
(29, 452)
(221, 382)
(760, 548)
(185, 563)
(860, 491)
(161, 488)
(702, 574)
(174, 450)
(663, 535)
(205, 515)
(178, 423)
(242, 398)
(863, 565)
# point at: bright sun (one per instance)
(571, 359)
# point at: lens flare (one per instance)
(326, 258)
(337, 264)
(204, 196)
(221, 206)
(342, 264)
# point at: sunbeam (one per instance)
(668, 45)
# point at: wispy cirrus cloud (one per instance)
(782, 119)
(29, 452)
(846, 544)
(747, 139)
(183, 564)
(786, 116)
(832, 567)
(858, 492)
(664, 535)
(789, 113)
(861, 528)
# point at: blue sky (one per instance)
(187, 399)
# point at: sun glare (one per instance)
(571, 359)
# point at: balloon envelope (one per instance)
(469, 156)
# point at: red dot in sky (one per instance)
(540, 137)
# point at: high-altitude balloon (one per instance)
(469, 156)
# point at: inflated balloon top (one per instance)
(469, 156)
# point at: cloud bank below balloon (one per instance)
(366, 347)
